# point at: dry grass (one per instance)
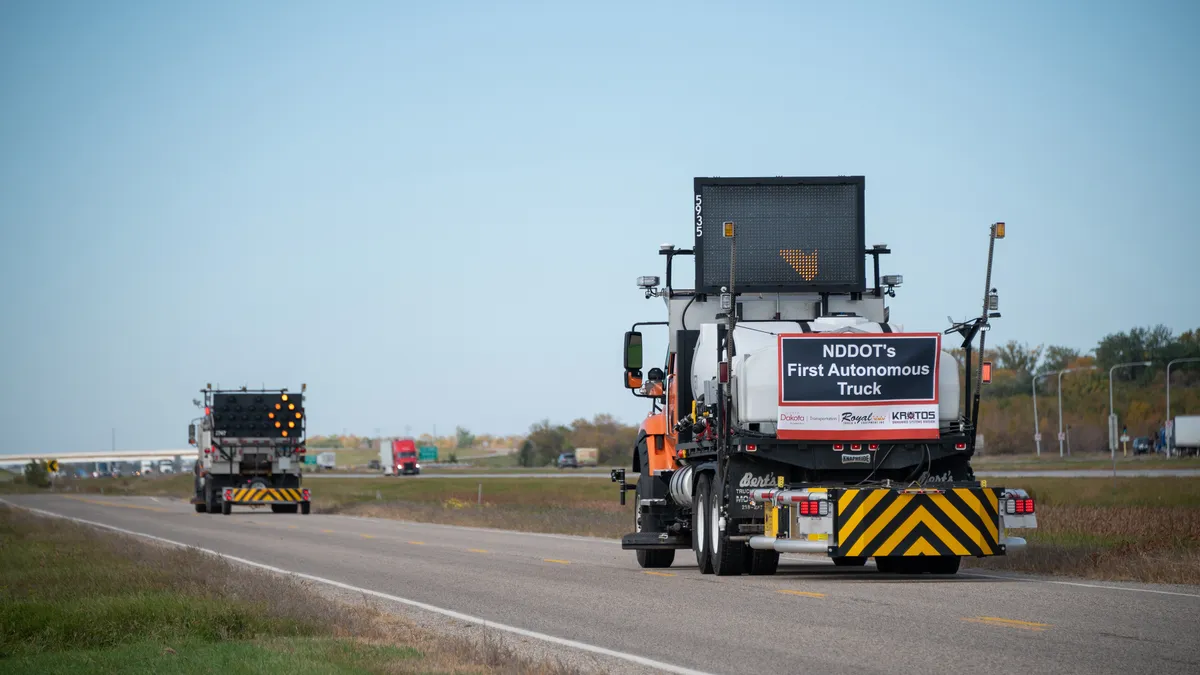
(1138, 529)
(69, 594)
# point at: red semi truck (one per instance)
(399, 456)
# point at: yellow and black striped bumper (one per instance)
(882, 522)
(266, 495)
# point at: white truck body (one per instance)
(587, 456)
(1187, 431)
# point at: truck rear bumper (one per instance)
(262, 496)
(965, 521)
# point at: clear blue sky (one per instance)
(435, 214)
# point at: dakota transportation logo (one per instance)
(859, 386)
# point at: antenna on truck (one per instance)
(990, 302)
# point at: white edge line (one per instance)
(640, 660)
(1080, 584)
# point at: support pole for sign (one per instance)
(987, 290)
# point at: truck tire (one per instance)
(728, 558)
(226, 508)
(211, 499)
(850, 561)
(943, 564)
(284, 508)
(201, 508)
(305, 507)
(761, 563)
(701, 540)
(648, 559)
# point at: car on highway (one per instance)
(567, 460)
(1142, 445)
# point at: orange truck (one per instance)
(790, 414)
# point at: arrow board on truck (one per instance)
(860, 386)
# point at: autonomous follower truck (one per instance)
(249, 444)
(790, 413)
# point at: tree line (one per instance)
(1006, 409)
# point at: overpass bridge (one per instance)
(106, 456)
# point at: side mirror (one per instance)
(633, 379)
(633, 351)
(191, 434)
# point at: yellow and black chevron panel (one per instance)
(265, 495)
(883, 522)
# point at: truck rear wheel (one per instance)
(284, 508)
(764, 563)
(701, 540)
(305, 507)
(226, 508)
(727, 556)
(201, 508)
(943, 564)
(850, 561)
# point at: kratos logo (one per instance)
(919, 416)
(751, 481)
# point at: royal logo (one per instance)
(851, 418)
(749, 480)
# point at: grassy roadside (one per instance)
(1133, 529)
(75, 600)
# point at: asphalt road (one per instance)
(810, 616)
(1049, 473)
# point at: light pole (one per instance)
(1037, 434)
(1171, 436)
(1112, 426)
(1060, 419)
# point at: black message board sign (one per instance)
(792, 234)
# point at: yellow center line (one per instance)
(326, 531)
(560, 562)
(417, 543)
(367, 536)
(807, 594)
(292, 527)
(661, 574)
(477, 550)
(123, 506)
(1008, 623)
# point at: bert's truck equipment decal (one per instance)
(862, 386)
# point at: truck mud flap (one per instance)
(266, 495)
(651, 541)
(890, 522)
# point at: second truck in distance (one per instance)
(249, 445)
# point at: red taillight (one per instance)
(751, 448)
(1018, 507)
(873, 447)
(960, 446)
(300, 450)
(839, 447)
(811, 507)
(304, 493)
(856, 447)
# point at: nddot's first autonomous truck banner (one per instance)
(846, 387)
